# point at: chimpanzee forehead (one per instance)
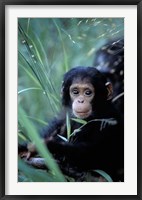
(82, 85)
(81, 80)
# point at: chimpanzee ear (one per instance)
(61, 93)
(109, 89)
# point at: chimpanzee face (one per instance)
(81, 93)
(84, 92)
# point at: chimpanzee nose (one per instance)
(80, 100)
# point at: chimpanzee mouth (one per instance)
(82, 114)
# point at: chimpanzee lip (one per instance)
(81, 112)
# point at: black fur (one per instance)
(97, 145)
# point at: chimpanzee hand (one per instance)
(93, 128)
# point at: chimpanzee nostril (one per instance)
(80, 101)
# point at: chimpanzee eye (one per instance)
(75, 91)
(88, 92)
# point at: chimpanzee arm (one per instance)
(56, 126)
(92, 148)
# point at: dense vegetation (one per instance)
(47, 48)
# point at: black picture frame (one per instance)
(3, 3)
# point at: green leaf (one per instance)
(38, 120)
(63, 138)
(41, 147)
(81, 121)
(28, 89)
(104, 174)
(22, 137)
(63, 46)
(30, 174)
(68, 125)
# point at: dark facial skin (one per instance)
(82, 93)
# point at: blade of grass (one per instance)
(21, 137)
(36, 52)
(104, 174)
(63, 46)
(28, 25)
(68, 125)
(30, 74)
(41, 148)
(28, 89)
(38, 120)
(42, 80)
(81, 121)
(34, 175)
(39, 70)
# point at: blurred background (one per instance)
(47, 48)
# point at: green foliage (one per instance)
(40, 146)
(29, 174)
(104, 174)
(68, 126)
(81, 121)
(47, 48)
